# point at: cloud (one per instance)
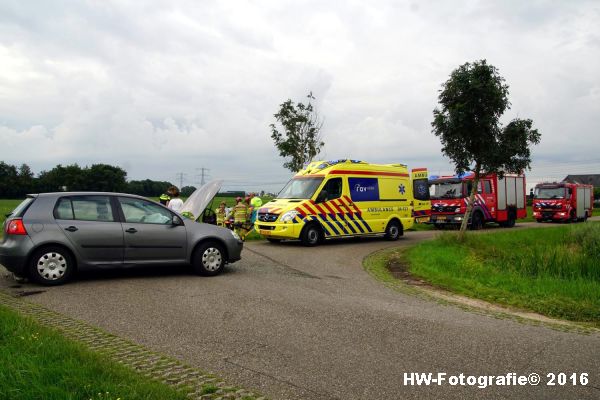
(165, 88)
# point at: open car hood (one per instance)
(201, 198)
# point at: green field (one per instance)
(38, 363)
(555, 272)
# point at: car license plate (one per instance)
(264, 232)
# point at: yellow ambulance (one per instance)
(346, 198)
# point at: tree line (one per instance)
(16, 182)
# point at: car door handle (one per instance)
(131, 230)
(71, 228)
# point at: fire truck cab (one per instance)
(500, 200)
(562, 202)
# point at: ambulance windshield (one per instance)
(300, 188)
(446, 190)
(550, 193)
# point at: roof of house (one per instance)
(591, 179)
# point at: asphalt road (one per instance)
(309, 323)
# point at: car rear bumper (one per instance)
(14, 252)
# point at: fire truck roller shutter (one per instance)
(581, 196)
(588, 198)
(520, 186)
(511, 190)
(501, 194)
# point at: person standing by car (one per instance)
(240, 217)
(221, 214)
(175, 204)
(255, 204)
(164, 199)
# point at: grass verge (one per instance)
(554, 272)
(36, 362)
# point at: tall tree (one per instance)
(472, 101)
(297, 133)
(187, 191)
(105, 178)
(70, 177)
(9, 181)
(26, 181)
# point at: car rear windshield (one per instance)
(300, 188)
(19, 211)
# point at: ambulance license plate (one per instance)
(264, 232)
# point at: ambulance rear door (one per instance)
(421, 202)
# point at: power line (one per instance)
(180, 176)
(203, 174)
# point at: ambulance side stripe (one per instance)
(350, 215)
(358, 216)
(333, 229)
(323, 214)
(358, 226)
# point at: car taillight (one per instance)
(15, 227)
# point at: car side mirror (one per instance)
(176, 221)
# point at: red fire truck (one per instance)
(568, 202)
(500, 200)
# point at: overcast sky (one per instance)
(160, 88)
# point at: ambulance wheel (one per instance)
(476, 221)
(311, 235)
(393, 230)
(271, 240)
(585, 217)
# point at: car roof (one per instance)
(65, 194)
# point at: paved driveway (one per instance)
(309, 323)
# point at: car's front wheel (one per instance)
(51, 266)
(209, 259)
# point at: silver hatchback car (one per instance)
(50, 235)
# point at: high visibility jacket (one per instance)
(221, 215)
(240, 213)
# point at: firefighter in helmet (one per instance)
(240, 217)
(221, 213)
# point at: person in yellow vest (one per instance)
(164, 199)
(240, 217)
(255, 204)
(221, 214)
